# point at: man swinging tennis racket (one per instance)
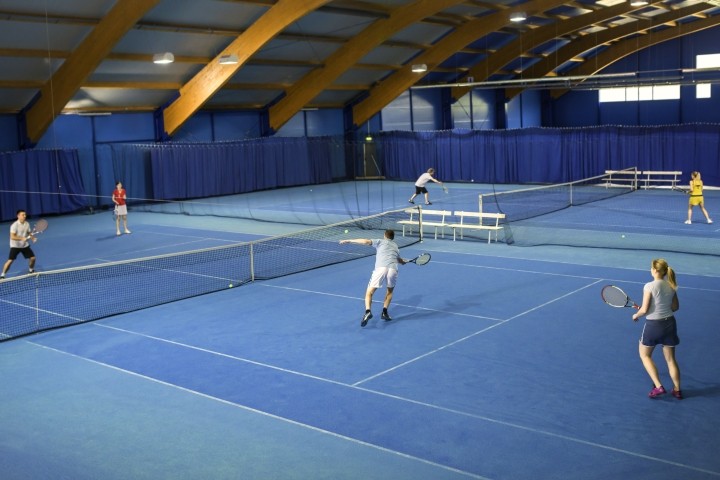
(387, 259)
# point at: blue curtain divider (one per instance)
(204, 170)
(183, 171)
(550, 155)
(42, 182)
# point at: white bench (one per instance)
(652, 178)
(645, 179)
(416, 220)
(493, 225)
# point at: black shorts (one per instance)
(660, 332)
(14, 251)
(419, 190)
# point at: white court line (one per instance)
(273, 416)
(432, 352)
(397, 304)
(374, 392)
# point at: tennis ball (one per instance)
(346, 230)
(622, 236)
(230, 286)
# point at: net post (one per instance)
(252, 262)
(420, 223)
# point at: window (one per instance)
(706, 61)
(641, 94)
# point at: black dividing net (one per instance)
(47, 300)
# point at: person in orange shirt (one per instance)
(118, 197)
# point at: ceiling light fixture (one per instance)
(419, 68)
(230, 59)
(163, 58)
(638, 3)
(518, 17)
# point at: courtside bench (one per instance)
(478, 221)
(430, 218)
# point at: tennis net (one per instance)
(533, 202)
(598, 212)
(58, 298)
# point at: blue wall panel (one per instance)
(576, 109)
(396, 116)
(198, 128)
(125, 127)
(427, 109)
(8, 133)
(236, 125)
(324, 122)
(295, 127)
(75, 131)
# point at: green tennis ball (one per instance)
(346, 231)
(622, 236)
(230, 286)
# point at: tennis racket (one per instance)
(445, 189)
(40, 226)
(114, 214)
(615, 297)
(682, 190)
(421, 259)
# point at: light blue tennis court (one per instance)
(501, 361)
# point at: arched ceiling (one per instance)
(79, 56)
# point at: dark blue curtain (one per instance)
(548, 155)
(42, 182)
(203, 170)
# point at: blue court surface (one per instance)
(501, 362)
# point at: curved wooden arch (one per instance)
(534, 38)
(68, 79)
(303, 91)
(394, 85)
(626, 47)
(547, 66)
(213, 76)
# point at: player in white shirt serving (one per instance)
(420, 186)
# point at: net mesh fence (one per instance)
(58, 298)
(621, 210)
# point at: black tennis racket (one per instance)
(39, 227)
(421, 259)
(682, 190)
(615, 297)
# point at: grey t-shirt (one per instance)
(387, 253)
(662, 296)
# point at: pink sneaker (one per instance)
(657, 391)
(677, 394)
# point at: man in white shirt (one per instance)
(420, 186)
(19, 235)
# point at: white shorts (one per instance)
(383, 274)
(120, 210)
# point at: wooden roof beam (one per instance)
(534, 38)
(212, 78)
(345, 57)
(393, 86)
(61, 87)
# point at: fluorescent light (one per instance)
(419, 68)
(163, 58)
(230, 59)
(638, 3)
(518, 17)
